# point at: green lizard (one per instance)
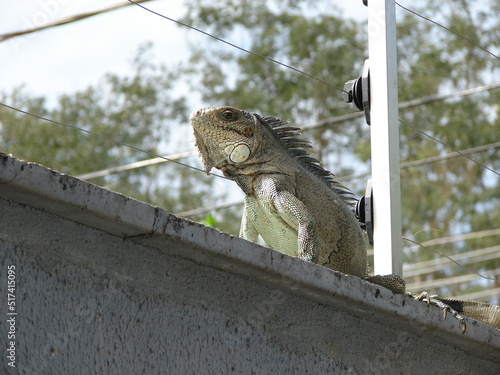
(294, 204)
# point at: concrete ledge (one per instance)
(157, 241)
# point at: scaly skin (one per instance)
(293, 203)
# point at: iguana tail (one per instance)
(482, 311)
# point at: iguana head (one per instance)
(224, 135)
(227, 136)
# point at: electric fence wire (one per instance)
(448, 29)
(238, 47)
(408, 104)
(476, 45)
(111, 139)
(457, 237)
(440, 253)
(448, 146)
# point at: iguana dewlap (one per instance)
(293, 203)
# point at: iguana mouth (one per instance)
(205, 154)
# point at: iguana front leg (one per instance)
(247, 228)
(295, 214)
(283, 206)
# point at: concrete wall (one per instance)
(109, 285)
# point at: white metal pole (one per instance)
(384, 137)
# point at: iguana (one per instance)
(294, 204)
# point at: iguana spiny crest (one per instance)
(290, 200)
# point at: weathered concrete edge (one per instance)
(85, 203)
(71, 198)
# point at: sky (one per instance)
(68, 58)
(71, 57)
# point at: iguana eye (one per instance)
(228, 115)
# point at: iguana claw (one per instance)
(436, 301)
(459, 317)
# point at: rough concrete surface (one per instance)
(109, 285)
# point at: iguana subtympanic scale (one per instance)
(294, 204)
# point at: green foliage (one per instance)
(210, 221)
